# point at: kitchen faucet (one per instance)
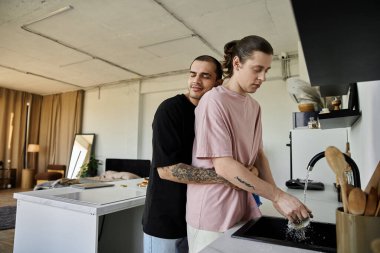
(354, 167)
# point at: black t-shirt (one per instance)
(173, 136)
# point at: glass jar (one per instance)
(312, 124)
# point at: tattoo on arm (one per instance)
(189, 174)
(245, 183)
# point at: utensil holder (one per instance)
(354, 233)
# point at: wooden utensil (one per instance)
(349, 188)
(375, 179)
(336, 161)
(378, 209)
(357, 201)
(370, 208)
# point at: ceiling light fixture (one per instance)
(38, 75)
(59, 11)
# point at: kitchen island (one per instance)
(52, 221)
(322, 203)
(81, 220)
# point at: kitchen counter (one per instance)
(77, 220)
(322, 203)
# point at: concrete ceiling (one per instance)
(54, 46)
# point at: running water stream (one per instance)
(298, 232)
(306, 182)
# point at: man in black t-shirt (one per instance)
(164, 221)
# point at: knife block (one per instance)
(355, 233)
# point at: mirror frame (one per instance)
(74, 169)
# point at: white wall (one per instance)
(277, 108)
(121, 117)
(153, 92)
(365, 133)
(112, 113)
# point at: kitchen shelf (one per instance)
(300, 119)
(338, 119)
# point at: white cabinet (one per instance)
(47, 222)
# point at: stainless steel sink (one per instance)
(317, 236)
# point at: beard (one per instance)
(195, 95)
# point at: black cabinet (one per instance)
(333, 90)
(7, 178)
(340, 40)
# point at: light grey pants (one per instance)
(160, 245)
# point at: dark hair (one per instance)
(218, 65)
(244, 49)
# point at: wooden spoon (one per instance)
(370, 208)
(375, 179)
(349, 188)
(336, 161)
(357, 201)
(378, 209)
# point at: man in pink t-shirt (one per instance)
(228, 136)
(223, 131)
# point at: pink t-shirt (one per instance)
(227, 124)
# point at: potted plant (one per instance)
(89, 169)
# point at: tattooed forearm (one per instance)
(245, 183)
(189, 174)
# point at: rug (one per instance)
(7, 217)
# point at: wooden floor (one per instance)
(7, 236)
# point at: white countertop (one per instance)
(322, 203)
(130, 194)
